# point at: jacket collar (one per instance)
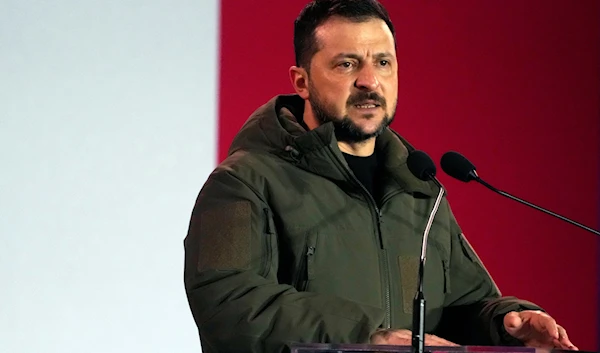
(276, 128)
(317, 151)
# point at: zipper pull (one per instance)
(310, 251)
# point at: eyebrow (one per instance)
(358, 57)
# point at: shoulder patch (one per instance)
(225, 234)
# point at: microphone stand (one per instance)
(418, 327)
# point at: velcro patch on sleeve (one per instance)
(225, 237)
(409, 273)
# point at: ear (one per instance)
(299, 78)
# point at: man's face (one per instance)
(353, 78)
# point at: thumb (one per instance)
(513, 322)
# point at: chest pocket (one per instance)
(436, 276)
(306, 268)
(442, 245)
(343, 264)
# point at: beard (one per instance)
(347, 130)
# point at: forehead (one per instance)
(342, 35)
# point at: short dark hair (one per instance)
(318, 11)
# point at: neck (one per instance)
(361, 149)
(309, 117)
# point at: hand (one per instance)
(537, 329)
(404, 338)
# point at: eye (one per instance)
(384, 62)
(345, 64)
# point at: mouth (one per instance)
(367, 105)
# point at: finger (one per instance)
(548, 324)
(403, 334)
(444, 342)
(542, 324)
(400, 337)
(513, 322)
(397, 341)
(379, 337)
(433, 340)
(563, 339)
(391, 337)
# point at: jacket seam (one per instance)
(249, 186)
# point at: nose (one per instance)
(367, 79)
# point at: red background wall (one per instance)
(515, 86)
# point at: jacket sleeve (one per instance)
(231, 280)
(474, 308)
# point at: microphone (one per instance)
(422, 166)
(459, 167)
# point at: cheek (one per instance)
(391, 91)
(390, 83)
(334, 93)
(337, 97)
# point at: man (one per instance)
(310, 230)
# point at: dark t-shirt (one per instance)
(365, 170)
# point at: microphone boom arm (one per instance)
(476, 177)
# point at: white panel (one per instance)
(107, 132)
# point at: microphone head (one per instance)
(421, 165)
(458, 166)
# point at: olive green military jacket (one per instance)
(285, 245)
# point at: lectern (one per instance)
(367, 348)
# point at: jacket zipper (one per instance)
(269, 231)
(309, 252)
(383, 261)
(389, 196)
(301, 280)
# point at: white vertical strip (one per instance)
(107, 132)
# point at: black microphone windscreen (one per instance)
(457, 166)
(421, 165)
